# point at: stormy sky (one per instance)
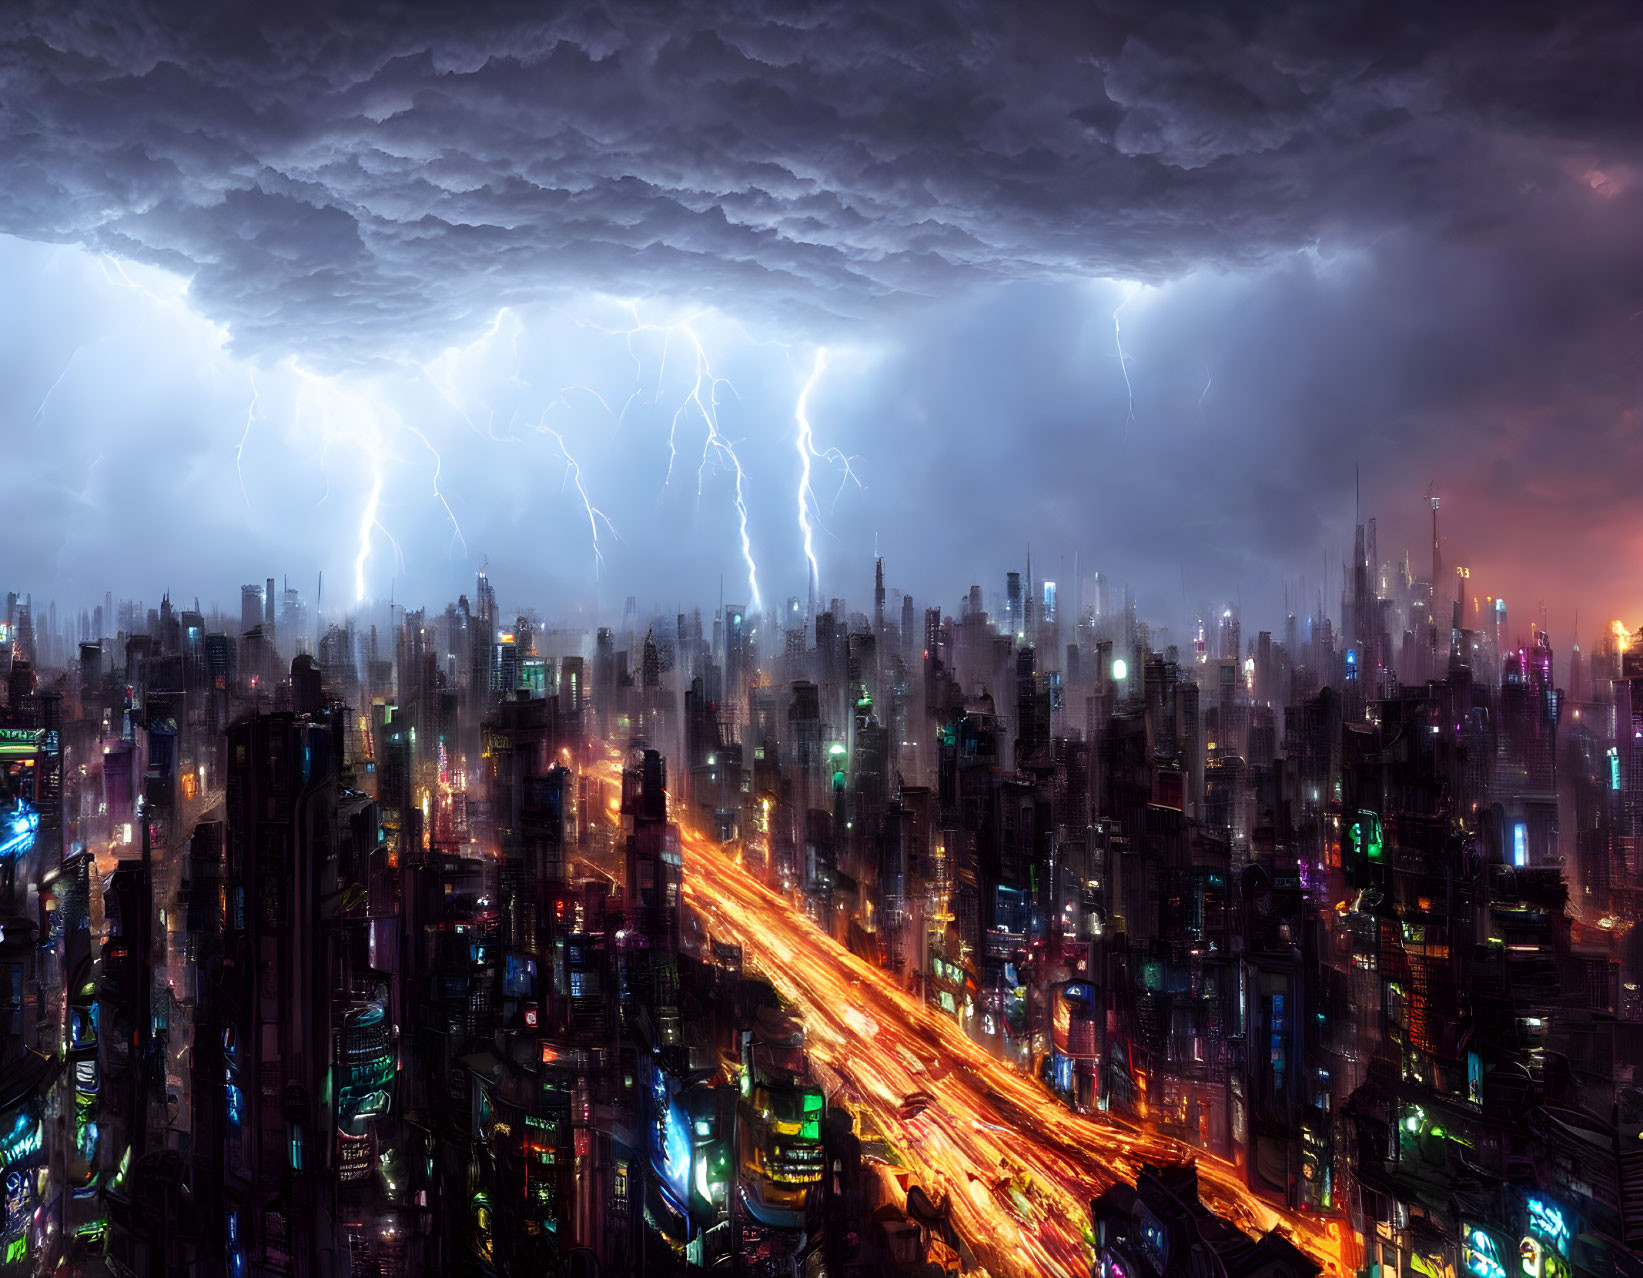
(389, 292)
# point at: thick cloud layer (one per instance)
(1392, 239)
(342, 178)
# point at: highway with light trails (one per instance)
(1020, 1166)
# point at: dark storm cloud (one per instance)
(1509, 380)
(1394, 240)
(343, 179)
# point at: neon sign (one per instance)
(670, 1137)
(27, 1137)
(1366, 836)
(1547, 1221)
(17, 834)
(19, 1193)
(1481, 1255)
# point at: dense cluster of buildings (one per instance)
(332, 947)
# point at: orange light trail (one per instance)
(1020, 1167)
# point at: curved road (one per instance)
(1020, 1166)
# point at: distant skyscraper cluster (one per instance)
(822, 938)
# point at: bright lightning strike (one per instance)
(353, 419)
(91, 470)
(447, 376)
(1123, 364)
(805, 442)
(720, 449)
(442, 373)
(573, 474)
(367, 521)
(239, 453)
(439, 466)
(807, 450)
(588, 390)
(627, 335)
(52, 389)
(125, 280)
(701, 400)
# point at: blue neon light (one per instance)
(1547, 1221)
(19, 830)
(1482, 1255)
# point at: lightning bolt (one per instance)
(1123, 363)
(445, 375)
(627, 404)
(368, 429)
(709, 409)
(367, 521)
(701, 400)
(399, 555)
(805, 443)
(747, 544)
(587, 390)
(638, 392)
(719, 449)
(324, 399)
(176, 298)
(807, 449)
(441, 373)
(439, 466)
(627, 335)
(52, 389)
(573, 473)
(638, 368)
(125, 280)
(573, 469)
(239, 453)
(85, 492)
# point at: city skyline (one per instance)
(287, 406)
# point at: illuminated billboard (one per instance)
(1484, 1253)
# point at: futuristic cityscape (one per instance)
(828, 640)
(856, 939)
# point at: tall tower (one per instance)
(878, 596)
(1437, 556)
(1437, 581)
(1029, 613)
